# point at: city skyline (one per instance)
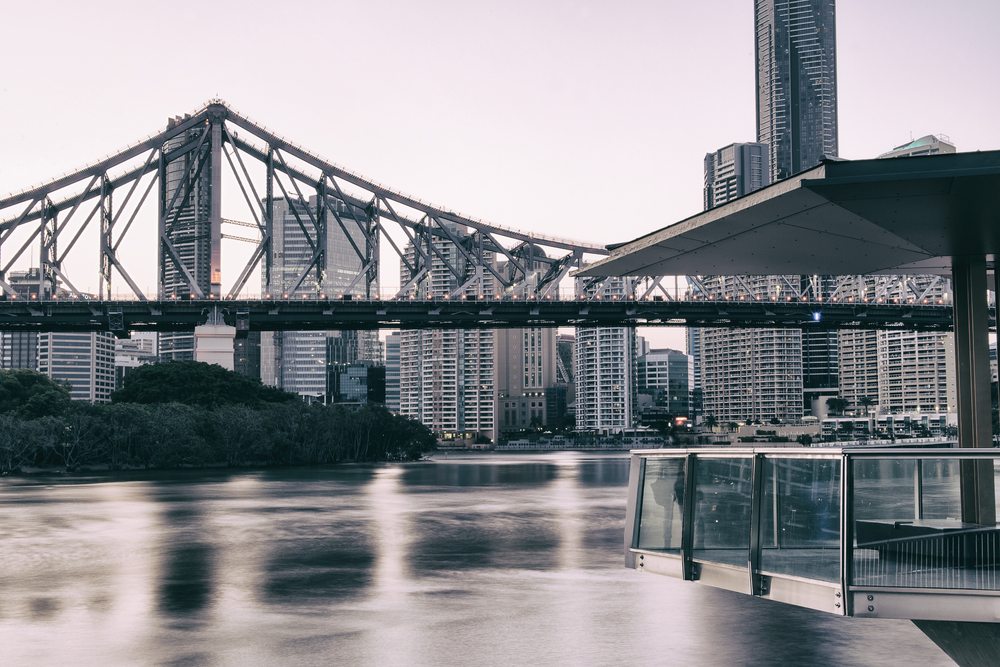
(471, 141)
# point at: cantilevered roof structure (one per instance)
(930, 214)
(905, 215)
(933, 214)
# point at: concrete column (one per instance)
(972, 353)
(972, 370)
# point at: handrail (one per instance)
(857, 531)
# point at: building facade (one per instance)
(526, 368)
(900, 372)
(796, 64)
(604, 370)
(447, 378)
(392, 342)
(741, 374)
(84, 362)
(733, 171)
(137, 350)
(298, 361)
(796, 49)
(666, 375)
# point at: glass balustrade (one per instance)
(896, 533)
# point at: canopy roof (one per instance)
(900, 215)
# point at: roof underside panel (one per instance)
(904, 215)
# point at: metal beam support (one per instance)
(104, 287)
(215, 214)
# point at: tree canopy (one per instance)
(28, 394)
(196, 383)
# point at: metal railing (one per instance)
(869, 532)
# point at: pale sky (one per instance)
(588, 120)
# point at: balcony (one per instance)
(864, 532)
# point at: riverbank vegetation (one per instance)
(188, 414)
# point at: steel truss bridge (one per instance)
(120, 317)
(102, 218)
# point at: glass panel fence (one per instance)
(723, 492)
(800, 518)
(910, 530)
(661, 517)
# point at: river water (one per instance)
(463, 560)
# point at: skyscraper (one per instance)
(297, 361)
(796, 49)
(796, 44)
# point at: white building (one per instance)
(745, 373)
(900, 371)
(604, 368)
(447, 378)
(137, 350)
(85, 362)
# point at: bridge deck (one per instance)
(328, 314)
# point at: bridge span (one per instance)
(122, 316)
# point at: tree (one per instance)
(837, 405)
(733, 427)
(866, 402)
(711, 422)
(30, 395)
(196, 383)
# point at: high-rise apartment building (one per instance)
(733, 171)
(744, 374)
(750, 373)
(604, 367)
(796, 44)
(447, 378)
(900, 372)
(297, 361)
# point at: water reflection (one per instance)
(464, 560)
(186, 581)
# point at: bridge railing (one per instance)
(867, 532)
(562, 294)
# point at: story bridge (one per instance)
(455, 270)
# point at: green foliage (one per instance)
(196, 383)
(132, 434)
(29, 394)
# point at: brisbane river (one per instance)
(461, 560)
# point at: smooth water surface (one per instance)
(490, 560)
